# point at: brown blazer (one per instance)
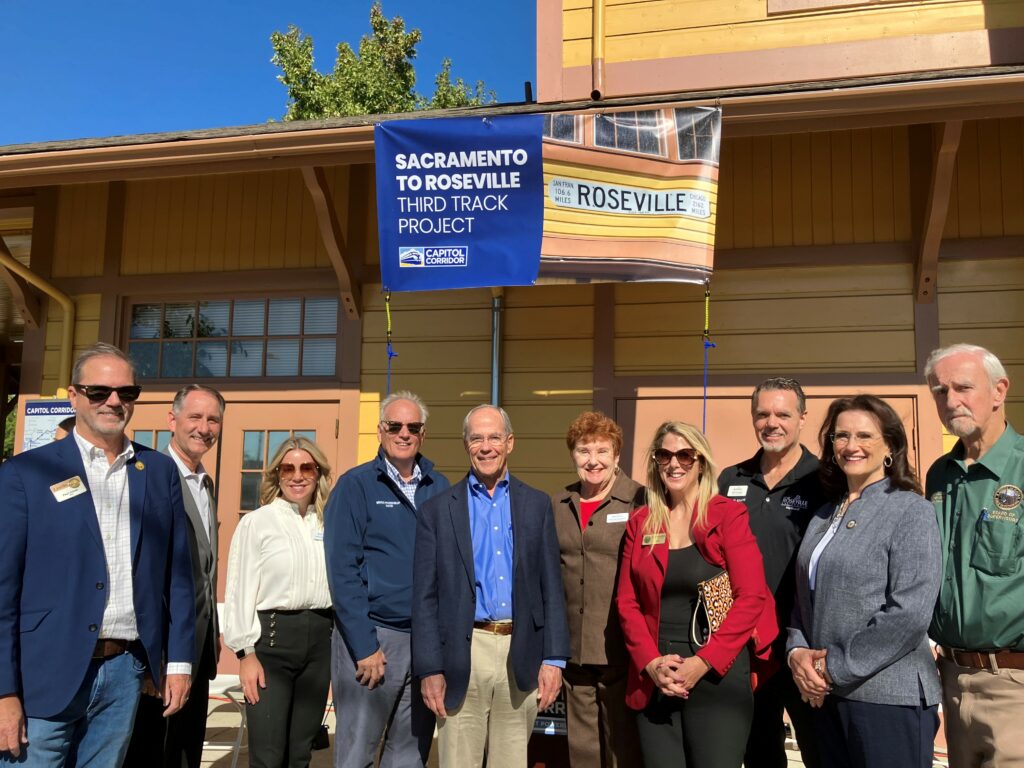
(590, 568)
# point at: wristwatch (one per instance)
(245, 652)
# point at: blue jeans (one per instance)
(94, 728)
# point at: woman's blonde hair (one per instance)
(657, 495)
(270, 488)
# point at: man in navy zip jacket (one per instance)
(369, 532)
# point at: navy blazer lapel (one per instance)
(517, 509)
(82, 504)
(458, 511)
(137, 470)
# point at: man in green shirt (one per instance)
(979, 619)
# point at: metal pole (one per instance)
(497, 295)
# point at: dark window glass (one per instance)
(213, 318)
(250, 491)
(318, 357)
(177, 360)
(321, 316)
(252, 450)
(247, 358)
(178, 321)
(146, 358)
(696, 131)
(249, 318)
(283, 357)
(212, 358)
(145, 321)
(284, 317)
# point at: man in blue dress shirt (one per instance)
(490, 637)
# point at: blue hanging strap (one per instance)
(708, 345)
(390, 349)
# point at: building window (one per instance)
(562, 128)
(153, 438)
(258, 447)
(696, 130)
(630, 131)
(236, 338)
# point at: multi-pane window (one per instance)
(630, 131)
(562, 128)
(696, 130)
(153, 438)
(258, 447)
(234, 337)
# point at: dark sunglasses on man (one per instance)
(394, 427)
(686, 457)
(100, 393)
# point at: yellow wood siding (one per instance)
(81, 230)
(658, 29)
(87, 331)
(223, 223)
(987, 197)
(982, 302)
(790, 321)
(815, 189)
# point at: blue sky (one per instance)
(115, 67)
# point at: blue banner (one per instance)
(460, 202)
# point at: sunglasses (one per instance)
(307, 470)
(394, 427)
(686, 457)
(100, 393)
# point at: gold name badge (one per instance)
(68, 489)
(653, 538)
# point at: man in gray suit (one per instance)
(195, 419)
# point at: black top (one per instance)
(686, 567)
(778, 517)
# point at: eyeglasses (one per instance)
(686, 457)
(842, 439)
(476, 441)
(100, 393)
(394, 427)
(307, 470)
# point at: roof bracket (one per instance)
(945, 142)
(27, 299)
(332, 236)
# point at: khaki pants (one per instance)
(495, 715)
(983, 712)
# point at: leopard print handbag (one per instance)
(714, 599)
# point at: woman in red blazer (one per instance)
(694, 700)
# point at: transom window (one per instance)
(695, 129)
(562, 128)
(631, 131)
(235, 337)
(258, 447)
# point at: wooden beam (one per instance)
(26, 298)
(332, 236)
(946, 141)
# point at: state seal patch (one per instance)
(1008, 497)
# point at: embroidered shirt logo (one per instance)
(794, 502)
(1008, 497)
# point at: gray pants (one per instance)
(393, 710)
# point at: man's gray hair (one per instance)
(780, 384)
(504, 418)
(405, 394)
(188, 389)
(993, 367)
(99, 349)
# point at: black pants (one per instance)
(766, 747)
(707, 730)
(176, 741)
(856, 734)
(296, 661)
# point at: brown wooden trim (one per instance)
(349, 359)
(926, 266)
(332, 236)
(257, 281)
(113, 247)
(631, 386)
(807, 63)
(814, 255)
(981, 248)
(604, 348)
(27, 300)
(15, 200)
(362, 210)
(926, 332)
(549, 50)
(799, 6)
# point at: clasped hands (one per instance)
(675, 675)
(810, 674)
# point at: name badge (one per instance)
(68, 489)
(653, 538)
(318, 535)
(736, 490)
(618, 517)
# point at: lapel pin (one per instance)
(139, 465)
(852, 524)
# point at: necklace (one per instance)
(839, 514)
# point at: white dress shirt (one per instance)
(277, 562)
(195, 482)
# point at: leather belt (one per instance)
(990, 660)
(110, 647)
(494, 627)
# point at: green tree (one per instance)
(379, 79)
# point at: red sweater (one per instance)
(726, 542)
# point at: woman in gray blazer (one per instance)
(868, 574)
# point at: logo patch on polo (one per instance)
(1008, 497)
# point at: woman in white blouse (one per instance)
(277, 607)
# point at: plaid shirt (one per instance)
(408, 489)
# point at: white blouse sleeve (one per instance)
(241, 624)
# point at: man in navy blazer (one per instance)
(95, 580)
(489, 631)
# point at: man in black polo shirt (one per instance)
(780, 487)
